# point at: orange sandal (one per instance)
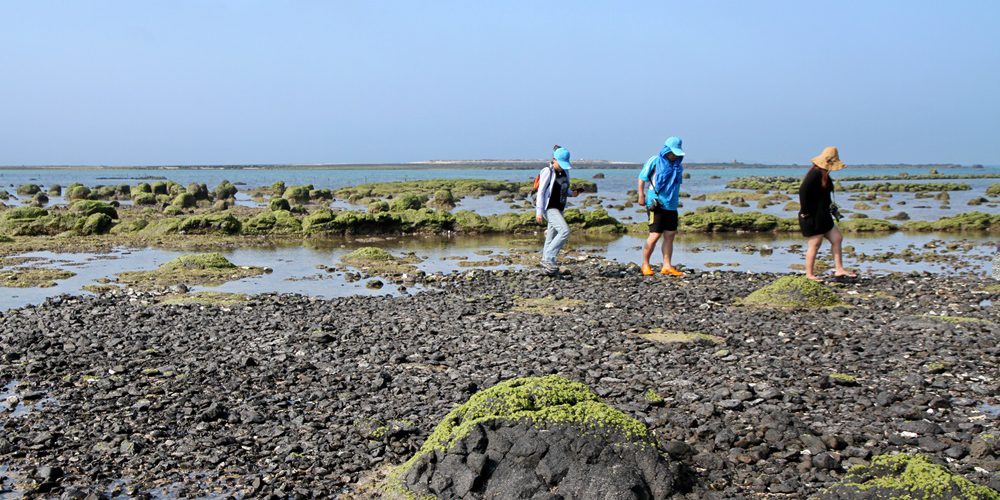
(647, 271)
(671, 271)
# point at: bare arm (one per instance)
(642, 192)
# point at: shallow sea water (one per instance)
(299, 268)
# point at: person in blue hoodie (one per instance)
(659, 189)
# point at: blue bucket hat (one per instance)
(674, 145)
(562, 156)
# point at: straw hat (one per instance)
(829, 159)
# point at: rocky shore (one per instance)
(295, 397)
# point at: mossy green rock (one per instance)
(407, 202)
(24, 213)
(277, 204)
(795, 292)
(77, 192)
(602, 450)
(367, 254)
(209, 269)
(299, 194)
(28, 189)
(225, 190)
(212, 260)
(720, 221)
(867, 225)
(96, 224)
(538, 400)
(91, 207)
(224, 223)
(905, 477)
(273, 222)
(966, 221)
(184, 200)
(144, 198)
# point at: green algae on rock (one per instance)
(32, 277)
(379, 261)
(965, 221)
(537, 400)
(273, 222)
(210, 269)
(559, 417)
(793, 292)
(902, 476)
(866, 225)
(220, 299)
(843, 379)
(715, 219)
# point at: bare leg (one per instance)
(812, 248)
(836, 238)
(647, 248)
(668, 247)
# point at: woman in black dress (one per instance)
(815, 219)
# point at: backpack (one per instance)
(534, 185)
(659, 180)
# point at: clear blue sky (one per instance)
(261, 81)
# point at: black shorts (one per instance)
(662, 220)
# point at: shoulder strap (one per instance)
(652, 181)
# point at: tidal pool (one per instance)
(302, 268)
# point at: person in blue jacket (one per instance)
(659, 189)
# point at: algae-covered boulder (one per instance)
(24, 213)
(91, 207)
(965, 221)
(582, 186)
(272, 222)
(793, 291)
(97, 223)
(718, 221)
(468, 221)
(199, 191)
(209, 269)
(350, 222)
(596, 220)
(299, 194)
(32, 277)
(224, 223)
(905, 476)
(55, 190)
(867, 225)
(224, 191)
(277, 204)
(40, 199)
(184, 200)
(407, 201)
(529, 437)
(443, 199)
(378, 206)
(374, 260)
(77, 192)
(28, 189)
(142, 198)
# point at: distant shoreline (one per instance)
(459, 165)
